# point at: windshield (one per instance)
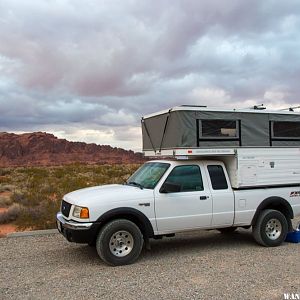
(148, 175)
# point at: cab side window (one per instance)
(188, 177)
(217, 177)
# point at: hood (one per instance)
(107, 194)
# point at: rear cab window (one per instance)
(217, 177)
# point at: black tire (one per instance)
(271, 228)
(111, 234)
(227, 230)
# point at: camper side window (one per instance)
(219, 128)
(286, 129)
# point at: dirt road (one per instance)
(200, 265)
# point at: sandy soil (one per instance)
(7, 228)
(6, 194)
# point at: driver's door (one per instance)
(189, 208)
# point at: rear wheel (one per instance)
(119, 242)
(271, 228)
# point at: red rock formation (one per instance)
(44, 149)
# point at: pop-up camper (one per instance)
(258, 147)
(202, 127)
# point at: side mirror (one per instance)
(169, 187)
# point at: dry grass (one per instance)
(6, 188)
(36, 192)
(11, 214)
(5, 201)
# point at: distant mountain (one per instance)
(44, 149)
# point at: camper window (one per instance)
(286, 129)
(219, 128)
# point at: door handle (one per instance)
(204, 197)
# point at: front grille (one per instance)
(65, 208)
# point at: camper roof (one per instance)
(218, 109)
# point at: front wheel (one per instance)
(271, 228)
(119, 242)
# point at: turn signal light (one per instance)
(84, 213)
(81, 212)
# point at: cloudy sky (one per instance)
(88, 70)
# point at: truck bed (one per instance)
(248, 200)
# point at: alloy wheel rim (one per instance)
(121, 243)
(273, 229)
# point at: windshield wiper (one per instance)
(135, 184)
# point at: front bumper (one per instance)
(85, 233)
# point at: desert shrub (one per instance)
(59, 173)
(6, 188)
(11, 214)
(39, 190)
(20, 198)
(4, 179)
(47, 189)
(71, 183)
(39, 217)
(4, 171)
(5, 201)
(29, 217)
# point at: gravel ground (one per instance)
(199, 265)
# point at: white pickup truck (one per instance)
(164, 197)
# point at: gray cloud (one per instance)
(70, 65)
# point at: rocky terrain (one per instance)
(44, 149)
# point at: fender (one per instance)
(131, 214)
(275, 203)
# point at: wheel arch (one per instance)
(277, 203)
(130, 214)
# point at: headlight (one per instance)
(81, 212)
